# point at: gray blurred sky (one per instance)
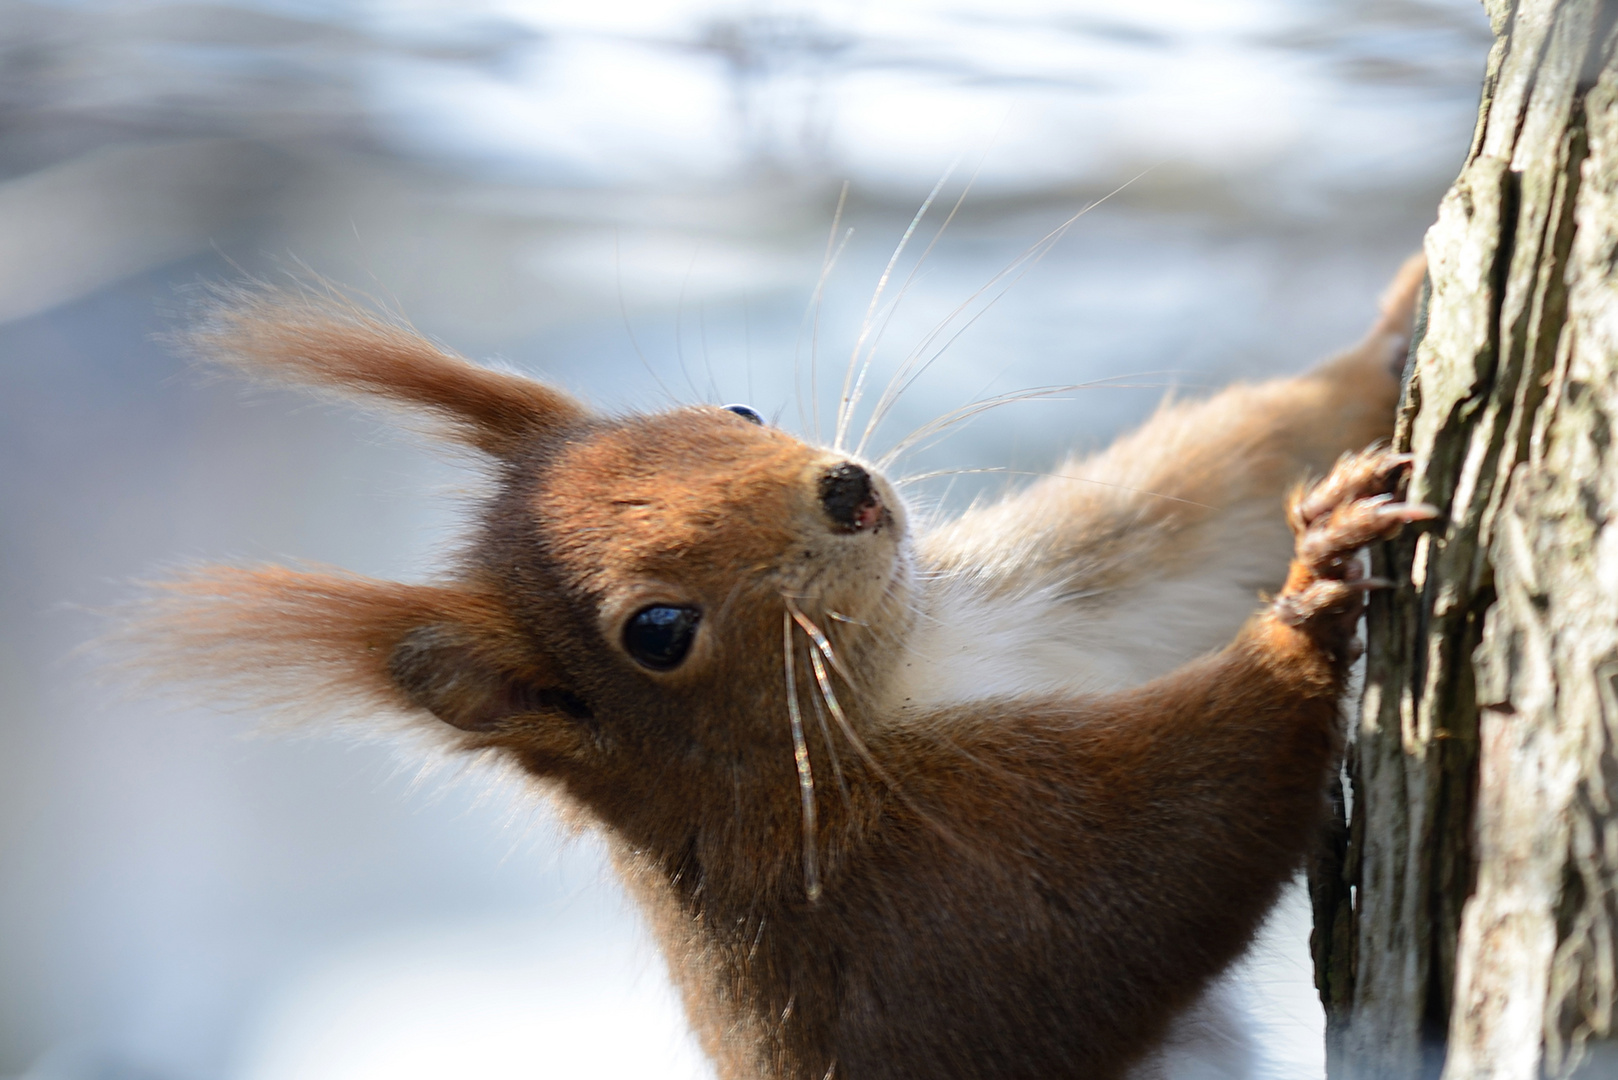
(632, 199)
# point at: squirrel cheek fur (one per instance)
(870, 843)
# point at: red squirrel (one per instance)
(995, 799)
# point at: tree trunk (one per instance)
(1467, 914)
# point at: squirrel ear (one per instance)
(477, 685)
(323, 643)
(322, 341)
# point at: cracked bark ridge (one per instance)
(1467, 909)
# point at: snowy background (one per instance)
(633, 199)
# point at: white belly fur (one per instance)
(979, 637)
(972, 642)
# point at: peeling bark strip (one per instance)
(1467, 925)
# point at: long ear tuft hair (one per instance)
(323, 340)
(292, 641)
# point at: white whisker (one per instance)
(1053, 476)
(823, 679)
(939, 426)
(818, 700)
(812, 314)
(904, 290)
(823, 647)
(822, 642)
(829, 694)
(707, 358)
(806, 776)
(1030, 255)
(679, 326)
(851, 393)
(623, 313)
(884, 402)
(966, 412)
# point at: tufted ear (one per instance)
(334, 642)
(476, 683)
(323, 341)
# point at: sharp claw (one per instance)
(1370, 584)
(1404, 513)
(1421, 512)
(1392, 462)
(1344, 512)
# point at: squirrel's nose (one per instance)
(849, 498)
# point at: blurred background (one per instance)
(639, 200)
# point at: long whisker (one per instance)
(679, 326)
(707, 358)
(1053, 476)
(973, 409)
(904, 290)
(850, 391)
(822, 642)
(747, 346)
(806, 776)
(823, 646)
(811, 314)
(888, 393)
(818, 700)
(823, 680)
(1029, 256)
(834, 706)
(966, 412)
(623, 314)
(923, 368)
(940, 425)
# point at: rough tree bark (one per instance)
(1467, 914)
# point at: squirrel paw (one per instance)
(1354, 505)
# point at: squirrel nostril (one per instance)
(849, 499)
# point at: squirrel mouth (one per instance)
(850, 500)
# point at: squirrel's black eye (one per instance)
(659, 636)
(746, 412)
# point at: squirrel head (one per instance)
(649, 607)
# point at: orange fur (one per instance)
(857, 867)
(322, 340)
